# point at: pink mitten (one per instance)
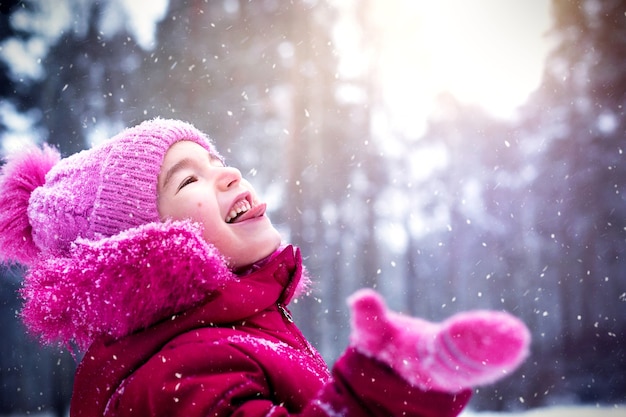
(466, 350)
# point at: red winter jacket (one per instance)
(240, 354)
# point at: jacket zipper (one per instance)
(296, 332)
(285, 312)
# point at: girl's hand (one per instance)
(466, 350)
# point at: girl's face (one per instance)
(195, 185)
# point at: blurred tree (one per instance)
(574, 210)
(582, 181)
(32, 379)
(6, 32)
(534, 214)
(317, 155)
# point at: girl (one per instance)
(160, 261)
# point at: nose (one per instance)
(228, 177)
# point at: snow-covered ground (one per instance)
(560, 411)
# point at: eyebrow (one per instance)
(178, 166)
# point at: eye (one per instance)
(186, 182)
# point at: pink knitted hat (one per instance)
(92, 194)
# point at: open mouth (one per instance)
(245, 208)
(238, 210)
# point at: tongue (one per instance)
(254, 212)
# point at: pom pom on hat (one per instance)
(19, 177)
(93, 194)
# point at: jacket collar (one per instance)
(275, 282)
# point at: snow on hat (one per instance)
(46, 203)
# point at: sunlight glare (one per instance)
(489, 52)
(485, 52)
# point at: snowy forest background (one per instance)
(525, 214)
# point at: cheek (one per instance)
(207, 214)
(181, 210)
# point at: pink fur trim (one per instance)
(117, 285)
(23, 172)
(468, 349)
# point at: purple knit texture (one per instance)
(105, 190)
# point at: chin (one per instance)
(258, 252)
(271, 247)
